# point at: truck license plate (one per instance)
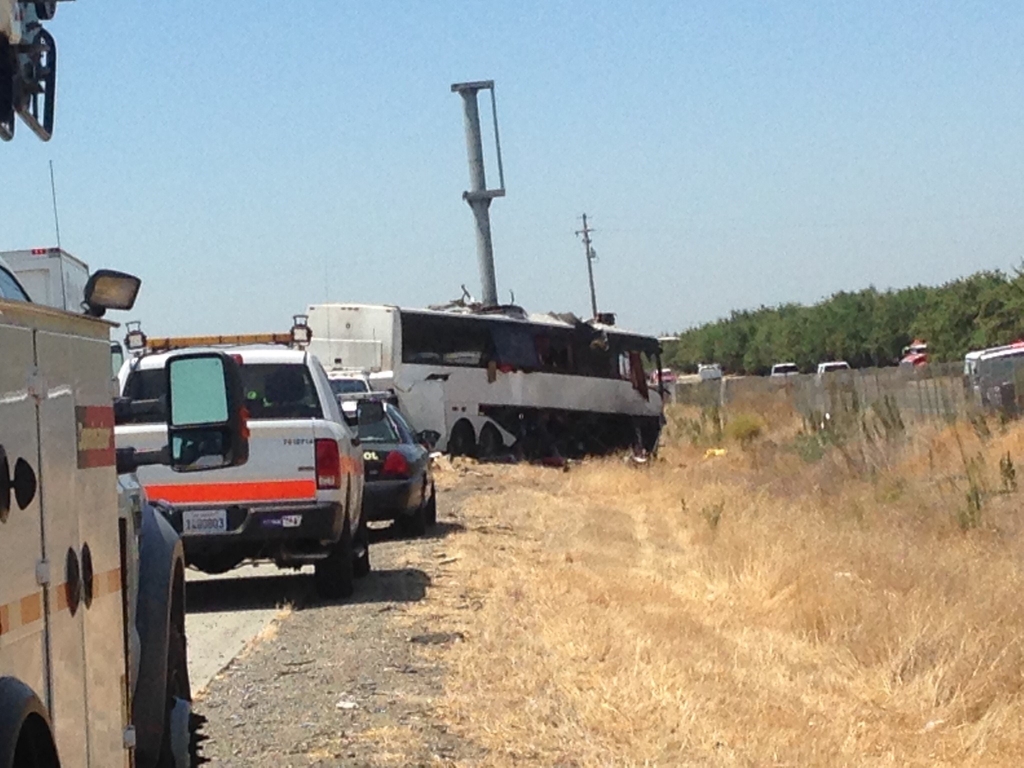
(197, 521)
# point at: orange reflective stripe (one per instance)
(106, 583)
(21, 612)
(31, 608)
(234, 493)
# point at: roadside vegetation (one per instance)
(866, 328)
(766, 592)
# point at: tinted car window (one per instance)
(9, 287)
(382, 431)
(272, 391)
(406, 432)
(348, 386)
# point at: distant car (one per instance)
(832, 366)
(709, 371)
(399, 480)
(348, 382)
(668, 376)
(915, 355)
(784, 369)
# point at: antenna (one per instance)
(478, 196)
(53, 194)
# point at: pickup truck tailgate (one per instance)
(281, 468)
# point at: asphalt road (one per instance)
(227, 613)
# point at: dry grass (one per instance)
(747, 609)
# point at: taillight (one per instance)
(395, 465)
(328, 464)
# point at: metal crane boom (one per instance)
(28, 67)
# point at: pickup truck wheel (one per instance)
(334, 574)
(361, 566)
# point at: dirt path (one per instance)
(332, 684)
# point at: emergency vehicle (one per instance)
(93, 670)
(298, 500)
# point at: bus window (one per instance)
(554, 352)
(456, 341)
(514, 346)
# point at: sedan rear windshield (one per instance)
(272, 391)
(382, 431)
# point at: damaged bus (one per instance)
(499, 381)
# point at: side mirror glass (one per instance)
(116, 357)
(369, 412)
(206, 426)
(428, 438)
(109, 289)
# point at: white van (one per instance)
(832, 366)
(709, 371)
(784, 369)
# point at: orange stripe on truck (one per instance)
(234, 493)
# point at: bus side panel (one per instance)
(80, 516)
(22, 628)
(423, 403)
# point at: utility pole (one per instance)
(479, 196)
(591, 256)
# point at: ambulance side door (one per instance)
(22, 627)
(80, 519)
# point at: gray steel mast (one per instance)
(478, 196)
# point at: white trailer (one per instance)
(50, 276)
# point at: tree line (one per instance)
(866, 328)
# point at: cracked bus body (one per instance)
(501, 381)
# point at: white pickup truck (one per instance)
(297, 501)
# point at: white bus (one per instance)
(491, 380)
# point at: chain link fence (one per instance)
(936, 391)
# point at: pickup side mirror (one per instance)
(206, 421)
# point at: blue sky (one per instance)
(261, 156)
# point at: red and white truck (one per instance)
(298, 500)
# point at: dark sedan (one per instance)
(399, 482)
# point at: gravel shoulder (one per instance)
(350, 683)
